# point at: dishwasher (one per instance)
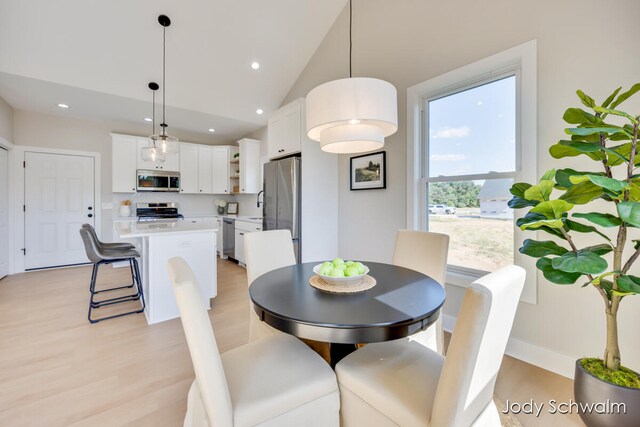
(229, 234)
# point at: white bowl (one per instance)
(340, 280)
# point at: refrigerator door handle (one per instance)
(295, 171)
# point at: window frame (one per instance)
(520, 61)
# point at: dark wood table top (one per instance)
(402, 303)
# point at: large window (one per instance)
(471, 133)
(471, 159)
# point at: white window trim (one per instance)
(524, 57)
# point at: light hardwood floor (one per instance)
(56, 369)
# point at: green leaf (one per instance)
(601, 249)
(626, 95)
(585, 131)
(583, 262)
(540, 192)
(601, 181)
(548, 175)
(629, 284)
(629, 212)
(519, 188)
(578, 116)
(563, 176)
(602, 219)
(616, 113)
(553, 209)
(586, 99)
(595, 147)
(551, 223)
(559, 151)
(582, 228)
(538, 249)
(611, 97)
(582, 193)
(618, 154)
(556, 276)
(519, 203)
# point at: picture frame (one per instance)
(369, 171)
(232, 208)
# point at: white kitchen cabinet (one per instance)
(220, 170)
(172, 162)
(205, 169)
(286, 130)
(249, 150)
(242, 228)
(220, 237)
(124, 149)
(188, 168)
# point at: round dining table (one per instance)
(402, 302)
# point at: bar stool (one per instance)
(103, 256)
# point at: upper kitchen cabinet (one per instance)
(249, 178)
(221, 170)
(286, 129)
(172, 162)
(205, 169)
(188, 168)
(124, 149)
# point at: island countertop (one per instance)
(131, 229)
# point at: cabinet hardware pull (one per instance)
(90, 215)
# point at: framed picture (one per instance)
(368, 172)
(232, 208)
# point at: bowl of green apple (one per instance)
(339, 272)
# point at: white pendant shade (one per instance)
(352, 115)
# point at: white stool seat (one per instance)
(270, 377)
(399, 376)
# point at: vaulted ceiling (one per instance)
(98, 57)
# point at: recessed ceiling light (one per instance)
(259, 111)
(148, 119)
(63, 106)
(255, 65)
(212, 130)
(480, 102)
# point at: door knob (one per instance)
(90, 207)
(90, 215)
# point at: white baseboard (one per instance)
(544, 358)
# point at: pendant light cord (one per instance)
(350, 38)
(153, 112)
(164, 65)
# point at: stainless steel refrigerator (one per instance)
(281, 208)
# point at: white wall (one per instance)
(410, 41)
(6, 121)
(43, 130)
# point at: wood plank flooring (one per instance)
(56, 369)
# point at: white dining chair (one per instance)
(265, 251)
(404, 383)
(425, 252)
(275, 381)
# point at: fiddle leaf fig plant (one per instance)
(567, 202)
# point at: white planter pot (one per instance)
(125, 210)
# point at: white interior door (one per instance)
(4, 212)
(59, 198)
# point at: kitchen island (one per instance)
(161, 241)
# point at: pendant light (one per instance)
(166, 143)
(352, 115)
(152, 153)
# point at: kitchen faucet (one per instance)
(258, 202)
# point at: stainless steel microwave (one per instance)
(153, 180)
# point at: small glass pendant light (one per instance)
(166, 143)
(152, 153)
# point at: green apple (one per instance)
(337, 272)
(337, 261)
(325, 269)
(340, 266)
(348, 263)
(327, 264)
(359, 266)
(351, 271)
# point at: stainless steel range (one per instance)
(156, 211)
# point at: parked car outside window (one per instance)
(441, 209)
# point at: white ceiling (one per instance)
(98, 56)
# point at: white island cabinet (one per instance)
(161, 241)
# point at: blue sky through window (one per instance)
(474, 131)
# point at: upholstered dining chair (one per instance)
(404, 383)
(265, 251)
(274, 381)
(425, 252)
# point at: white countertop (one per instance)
(131, 229)
(254, 219)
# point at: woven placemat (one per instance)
(367, 282)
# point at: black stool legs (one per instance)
(135, 281)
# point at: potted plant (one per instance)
(125, 208)
(221, 204)
(567, 201)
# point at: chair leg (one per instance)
(135, 279)
(120, 287)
